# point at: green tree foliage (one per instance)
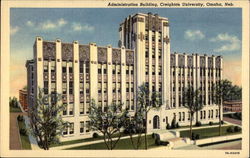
(193, 102)
(108, 122)
(13, 102)
(146, 102)
(46, 121)
(222, 90)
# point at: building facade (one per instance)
(82, 72)
(232, 106)
(23, 99)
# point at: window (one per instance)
(70, 67)
(212, 113)
(99, 69)
(113, 69)
(71, 109)
(153, 70)
(209, 114)
(81, 88)
(118, 69)
(99, 87)
(53, 66)
(87, 67)
(71, 128)
(104, 69)
(146, 53)
(153, 53)
(65, 110)
(113, 87)
(204, 114)
(201, 115)
(81, 108)
(45, 66)
(127, 87)
(159, 70)
(147, 69)
(65, 131)
(179, 116)
(64, 67)
(81, 67)
(87, 126)
(87, 107)
(81, 126)
(188, 115)
(183, 116)
(127, 70)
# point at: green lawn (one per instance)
(208, 132)
(124, 144)
(15, 109)
(24, 138)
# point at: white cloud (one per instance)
(14, 30)
(232, 42)
(62, 22)
(49, 25)
(30, 23)
(82, 27)
(193, 35)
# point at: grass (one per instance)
(15, 109)
(208, 132)
(124, 144)
(81, 141)
(24, 138)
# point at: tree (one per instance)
(46, 121)
(145, 102)
(222, 90)
(193, 102)
(13, 102)
(109, 122)
(134, 125)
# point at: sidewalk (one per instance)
(15, 140)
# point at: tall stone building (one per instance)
(82, 72)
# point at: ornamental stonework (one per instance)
(102, 55)
(49, 50)
(129, 57)
(181, 60)
(190, 61)
(84, 52)
(172, 60)
(202, 62)
(165, 24)
(210, 62)
(67, 51)
(116, 56)
(218, 62)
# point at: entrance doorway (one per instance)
(156, 122)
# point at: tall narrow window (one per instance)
(81, 126)
(71, 128)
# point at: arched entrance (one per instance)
(156, 122)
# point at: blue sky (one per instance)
(209, 30)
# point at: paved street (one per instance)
(15, 143)
(234, 145)
(234, 121)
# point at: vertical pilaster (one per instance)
(176, 81)
(93, 66)
(109, 74)
(123, 77)
(39, 64)
(206, 79)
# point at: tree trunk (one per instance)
(146, 121)
(219, 120)
(196, 116)
(191, 119)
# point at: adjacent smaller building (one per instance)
(23, 99)
(232, 106)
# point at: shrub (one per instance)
(165, 143)
(222, 122)
(20, 118)
(157, 141)
(230, 130)
(193, 136)
(23, 131)
(197, 136)
(95, 135)
(177, 125)
(237, 129)
(198, 124)
(210, 123)
(168, 126)
(153, 135)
